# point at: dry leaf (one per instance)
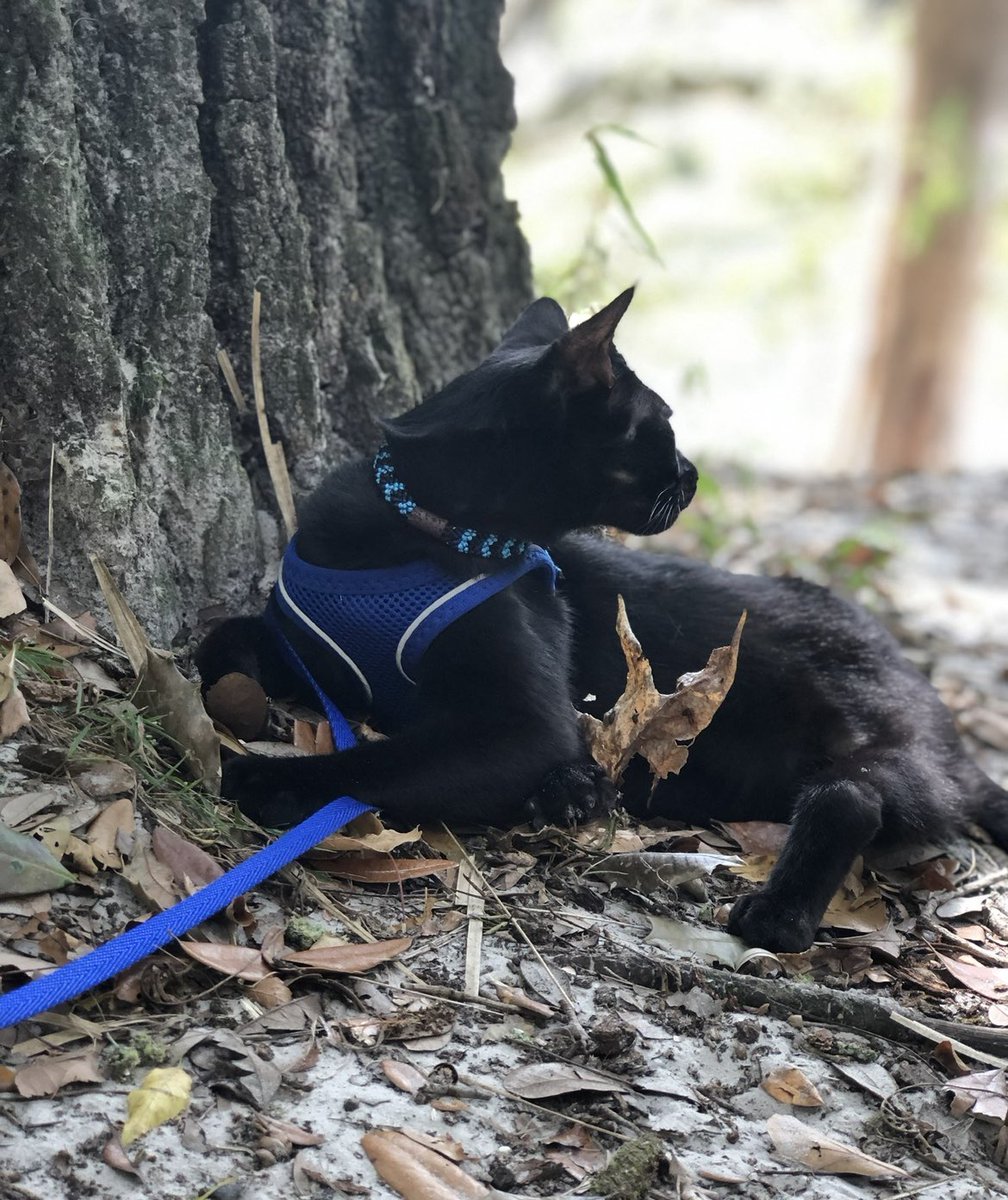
(10, 521)
(379, 868)
(540, 1080)
(114, 821)
(348, 959)
(366, 832)
(244, 962)
(46, 1076)
(113, 1155)
(163, 1094)
(103, 778)
(799, 1142)
(983, 1094)
(991, 982)
(654, 724)
(647, 870)
(149, 877)
(418, 1172)
(717, 945)
(271, 992)
(403, 1076)
(288, 1131)
(13, 710)
(163, 690)
(790, 1086)
(757, 837)
(11, 597)
(190, 866)
(27, 867)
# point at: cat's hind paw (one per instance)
(571, 794)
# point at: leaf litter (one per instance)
(257, 1018)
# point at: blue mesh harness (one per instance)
(381, 621)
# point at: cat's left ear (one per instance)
(584, 351)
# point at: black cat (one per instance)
(827, 726)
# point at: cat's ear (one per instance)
(540, 324)
(584, 351)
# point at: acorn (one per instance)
(238, 702)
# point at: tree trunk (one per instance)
(158, 162)
(936, 236)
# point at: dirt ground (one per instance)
(611, 1004)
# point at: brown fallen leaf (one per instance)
(162, 688)
(149, 877)
(540, 1080)
(790, 1086)
(350, 958)
(991, 982)
(380, 868)
(103, 778)
(271, 992)
(757, 837)
(46, 1076)
(10, 517)
(13, 710)
(11, 597)
(287, 1130)
(654, 724)
(244, 962)
(103, 835)
(403, 1076)
(113, 1155)
(190, 866)
(366, 832)
(418, 1172)
(983, 1094)
(795, 1140)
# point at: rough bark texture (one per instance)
(936, 235)
(157, 162)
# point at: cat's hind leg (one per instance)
(891, 795)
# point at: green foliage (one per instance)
(938, 160)
(614, 183)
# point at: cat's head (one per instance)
(551, 432)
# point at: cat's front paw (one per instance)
(266, 790)
(571, 794)
(763, 919)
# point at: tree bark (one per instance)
(158, 162)
(936, 234)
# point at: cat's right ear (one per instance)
(583, 352)
(540, 324)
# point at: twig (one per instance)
(960, 943)
(467, 887)
(566, 1001)
(275, 461)
(933, 1035)
(981, 882)
(231, 379)
(49, 555)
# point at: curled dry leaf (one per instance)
(991, 982)
(802, 1143)
(114, 822)
(288, 1131)
(13, 710)
(162, 689)
(366, 832)
(163, 1094)
(113, 1155)
(11, 597)
(10, 518)
(27, 867)
(271, 992)
(656, 724)
(647, 870)
(416, 1171)
(791, 1086)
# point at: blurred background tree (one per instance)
(777, 156)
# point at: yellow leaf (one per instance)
(163, 1094)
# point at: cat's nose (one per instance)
(687, 480)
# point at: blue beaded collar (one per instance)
(465, 541)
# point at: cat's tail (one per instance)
(988, 806)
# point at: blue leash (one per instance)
(126, 949)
